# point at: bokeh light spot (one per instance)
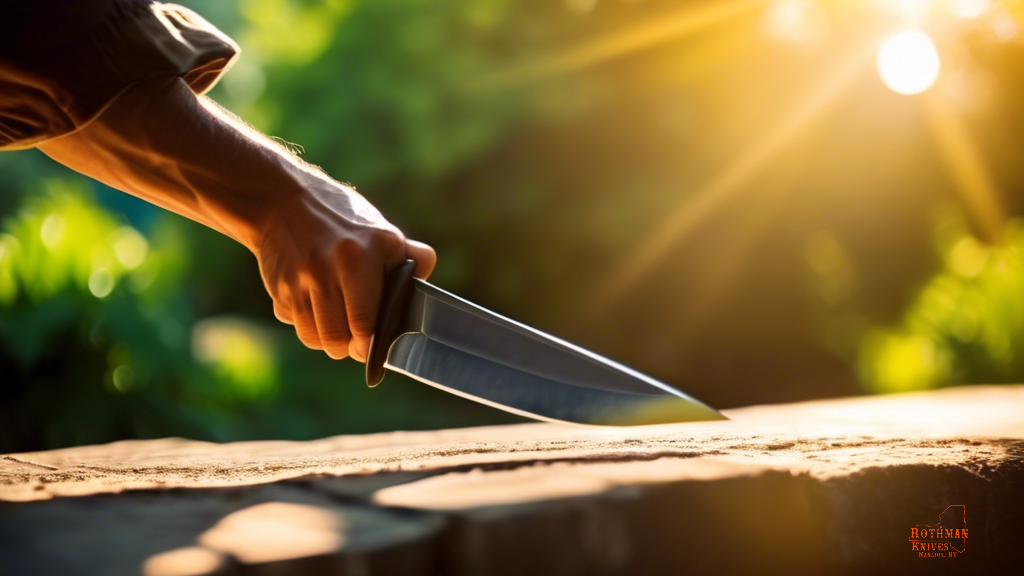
(901, 361)
(798, 21)
(123, 378)
(968, 8)
(1004, 25)
(8, 245)
(908, 62)
(101, 282)
(239, 351)
(968, 257)
(51, 231)
(131, 247)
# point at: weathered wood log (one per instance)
(918, 483)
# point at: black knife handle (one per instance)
(394, 300)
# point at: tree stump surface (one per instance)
(915, 483)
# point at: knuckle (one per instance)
(312, 268)
(313, 271)
(282, 296)
(331, 338)
(387, 239)
(335, 342)
(278, 290)
(308, 279)
(373, 243)
(349, 249)
(286, 293)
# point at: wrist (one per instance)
(301, 201)
(246, 212)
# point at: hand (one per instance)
(323, 257)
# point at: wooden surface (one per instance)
(818, 487)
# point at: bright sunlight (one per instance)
(908, 62)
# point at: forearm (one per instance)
(160, 142)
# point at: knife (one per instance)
(452, 344)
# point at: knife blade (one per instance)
(450, 343)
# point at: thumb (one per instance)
(424, 255)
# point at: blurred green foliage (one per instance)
(966, 324)
(386, 88)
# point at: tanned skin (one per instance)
(322, 248)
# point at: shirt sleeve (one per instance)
(62, 63)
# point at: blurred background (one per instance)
(755, 201)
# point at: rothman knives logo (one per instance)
(945, 539)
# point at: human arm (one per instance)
(322, 248)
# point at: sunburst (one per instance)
(908, 62)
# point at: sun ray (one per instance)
(689, 20)
(977, 190)
(699, 205)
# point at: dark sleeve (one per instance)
(63, 62)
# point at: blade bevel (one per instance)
(509, 389)
(470, 351)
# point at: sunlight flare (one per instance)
(968, 8)
(798, 21)
(671, 27)
(977, 189)
(908, 62)
(698, 206)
